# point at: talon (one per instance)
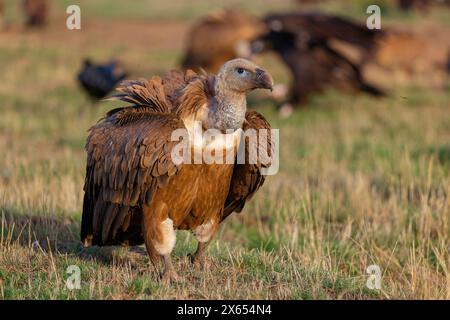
(196, 260)
(169, 277)
(201, 261)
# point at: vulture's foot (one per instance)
(169, 275)
(199, 258)
(202, 261)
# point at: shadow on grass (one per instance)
(57, 234)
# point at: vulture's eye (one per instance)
(240, 70)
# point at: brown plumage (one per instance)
(135, 192)
(219, 37)
(36, 12)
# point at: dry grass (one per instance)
(362, 182)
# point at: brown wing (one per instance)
(175, 81)
(159, 95)
(247, 178)
(143, 93)
(127, 161)
(324, 27)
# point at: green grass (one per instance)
(362, 181)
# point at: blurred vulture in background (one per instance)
(308, 25)
(420, 5)
(2, 15)
(414, 4)
(302, 42)
(219, 37)
(36, 12)
(309, 2)
(100, 79)
(448, 62)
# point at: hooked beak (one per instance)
(263, 80)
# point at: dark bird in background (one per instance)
(219, 37)
(323, 27)
(447, 66)
(308, 4)
(301, 40)
(301, 2)
(420, 5)
(98, 80)
(134, 191)
(2, 14)
(36, 12)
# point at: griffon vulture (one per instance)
(219, 37)
(135, 193)
(100, 79)
(301, 40)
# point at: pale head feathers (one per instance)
(241, 75)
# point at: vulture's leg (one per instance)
(198, 258)
(203, 233)
(169, 274)
(160, 237)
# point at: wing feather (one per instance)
(143, 93)
(126, 163)
(247, 178)
(128, 153)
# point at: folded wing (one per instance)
(129, 157)
(247, 177)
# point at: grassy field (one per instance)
(361, 182)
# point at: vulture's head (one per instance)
(242, 76)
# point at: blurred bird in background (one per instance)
(98, 80)
(398, 50)
(2, 15)
(420, 5)
(448, 62)
(36, 12)
(309, 1)
(219, 37)
(302, 42)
